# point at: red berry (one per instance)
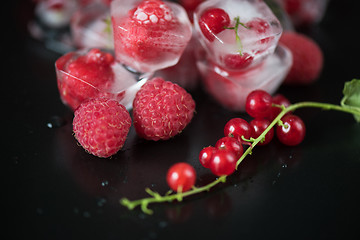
(101, 126)
(259, 125)
(258, 25)
(181, 177)
(152, 12)
(84, 77)
(147, 39)
(231, 144)
(237, 61)
(292, 6)
(205, 155)
(223, 162)
(258, 104)
(161, 109)
(280, 100)
(238, 127)
(292, 132)
(213, 21)
(307, 58)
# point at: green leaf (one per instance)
(351, 97)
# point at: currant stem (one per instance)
(157, 198)
(293, 107)
(169, 196)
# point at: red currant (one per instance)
(258, 104)
(213, 21)
(238, 127)
(205, 155)
(259, 25)
(278, 99)
(223, 162)
(292, 131)
(181, 177)
(231, 144)
(237, 61)
(259, 125)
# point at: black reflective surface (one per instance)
(55, 190)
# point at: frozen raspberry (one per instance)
(84, 76)
(161, 109)
(152, 12)
(150, 36)
(307, 58)
(101, 126)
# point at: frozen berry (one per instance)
(213, 21)
(307, 58)
(84, 77)
(101, 126)
(237, 61)
(161, 109)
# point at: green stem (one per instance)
(167, 198)
(157, 198)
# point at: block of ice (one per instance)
(304, 12)
(237, 34)
(55, 13)
(230, 88)
(92, 73)
(149, 35)
(91, 27)
(185, 72)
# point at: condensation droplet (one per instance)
(56, 122)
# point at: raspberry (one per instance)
(152, 12)
(307, 58)
(101, 126)
(161, 109)
(85, 76)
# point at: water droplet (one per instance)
(104, 183)
(86, 214)
(56, 122)
(101, 202)
(163, 224)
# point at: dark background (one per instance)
(55, 190)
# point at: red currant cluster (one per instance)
(222, 158)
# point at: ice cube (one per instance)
(91, 73)
(185, 72)
(304, 12)
(55, 13)
(149, 35)
(230, 88)
(250, 34)
(91, 27)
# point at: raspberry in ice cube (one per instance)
(93, 73)
(150, 34)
